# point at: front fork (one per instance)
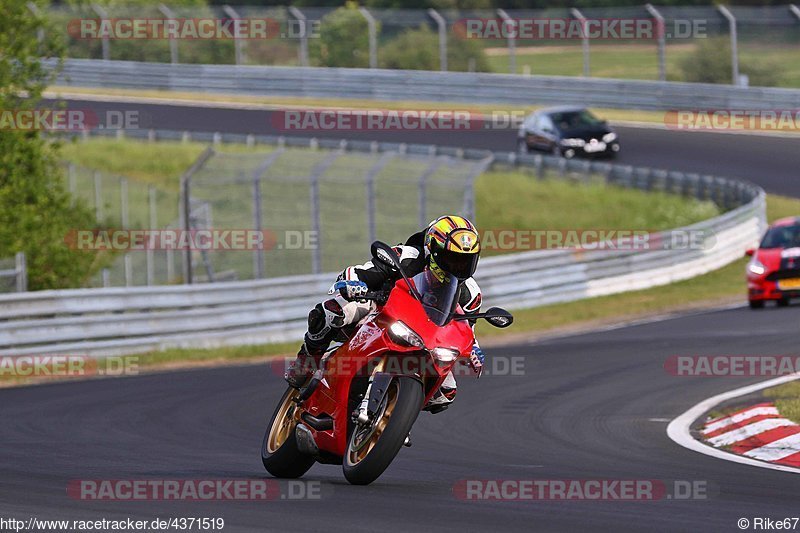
(373, 397)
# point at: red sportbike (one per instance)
(360, 404)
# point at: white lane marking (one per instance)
(777, 449)
(740, 417)
(749, 430)
(659, 419)
(679, 429)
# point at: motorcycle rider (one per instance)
(449, 244)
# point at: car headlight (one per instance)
(609, 137)
(572, 142)
(756, 267)
(445, 355)
(404, 336)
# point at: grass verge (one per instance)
(787, 399)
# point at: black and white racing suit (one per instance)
(333, 314)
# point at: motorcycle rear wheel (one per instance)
(370, 449)
(279, 451)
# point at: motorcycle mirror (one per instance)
(384, 255)
(498, 317)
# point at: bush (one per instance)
(418, 49)
(711, 63)
(343, 39)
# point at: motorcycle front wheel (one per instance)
(279, 451)
(372, 447)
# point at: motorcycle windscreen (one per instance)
(439, 296)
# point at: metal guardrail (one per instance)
(421, 85)
(103, 322)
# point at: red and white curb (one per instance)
(759, 432)
(756, 436)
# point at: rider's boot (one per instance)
(323, 323)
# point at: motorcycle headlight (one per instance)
(404, 336)
(445, 355)
(609, 137)
(573, 142)
(756, 267)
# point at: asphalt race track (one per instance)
(591, 406)
(772, 162)
(582, 410)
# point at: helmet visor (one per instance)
(461, 265)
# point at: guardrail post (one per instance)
(22, 272)
(662, 42)
(584, 39)
(123, 201)
(103, 14)
(153, 220)
(372, 27)
(238, 44)
(258, 256)
(303, 52)
(734, 42)
(186, 209)
(441, 26)
(173, 43)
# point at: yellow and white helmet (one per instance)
(454, 245)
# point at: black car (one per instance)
(567, 131)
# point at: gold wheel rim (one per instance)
(284, 423)
(364, 440)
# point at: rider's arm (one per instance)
(375, 276)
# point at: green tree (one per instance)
(418, 49)
(343, 39)
(711, 63)
(35, 211)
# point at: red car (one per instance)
(773, 273)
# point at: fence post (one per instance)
(173, 43)
(423, 190)
(187, 208)
(303, 52)
(584, 39)
(123, 201)
(512, 44)
(153, 222)
(258, 256)
(238, 44)
(734, 42)
(662, 41)
(22, 272)
(369, 178)
(469, 192)
(98, 200)
(316, 221)
(441, 25)
(372, 26)
(34, 9)
(103, 14)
